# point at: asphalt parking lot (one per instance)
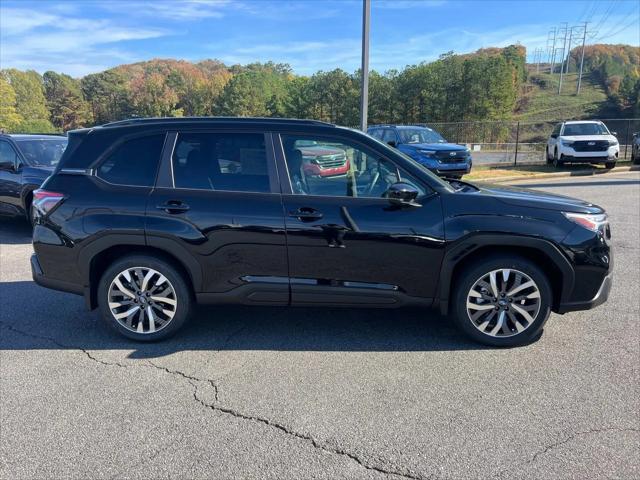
(305, 393)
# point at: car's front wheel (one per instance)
(502, 301)
(609, 165)
(144, 298)
(557, 159)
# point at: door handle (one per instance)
(173, 206)
(306, 214)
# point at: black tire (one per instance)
(609, 165)
(183, 296)
(548, 157)
(557, 161)
(472, 273)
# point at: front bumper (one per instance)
(598, 299)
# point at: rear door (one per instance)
(217, 205)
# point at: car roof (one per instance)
(33, 136)
(400, 126)
(159, 121)
(571, 122)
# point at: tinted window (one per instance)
(221, 161)
(134, 162)
(556, 131)
(334, 167)
(389, 136)
(585, 129)
(43, 151)
(7, 154)
(376, 133)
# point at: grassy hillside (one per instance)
(540, 100)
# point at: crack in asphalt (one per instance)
(325, 447)
(215, 406)
(568, 439)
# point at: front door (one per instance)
(10, 180)
(220, 199)
(347, 244)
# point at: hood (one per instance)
(536, 199)
(438, 147)
(588, 138)
(36, 172)
(316, 151)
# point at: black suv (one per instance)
(146, 217)
(25, 161)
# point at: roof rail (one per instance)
(148, 120)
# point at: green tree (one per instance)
(9, 116)
(67, 106)
(30, 100)
(108, 95)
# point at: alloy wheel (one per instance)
(503, 303)
(142, 300)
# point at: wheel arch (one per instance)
(100, 261)
(542, 252)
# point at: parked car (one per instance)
(142, 220)
(635, 148)
(25, 161)
(322, 160)
(582, 142)
(427, 147)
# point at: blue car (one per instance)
(427, 147)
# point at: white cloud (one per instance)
(44, 41)
(175, 9)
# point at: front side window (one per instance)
(8, 157)
(221, 161)
(338, 168)
(134, 162)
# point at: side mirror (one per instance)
(615, 134)
(553, 135)
(402, 194)
(392, 143)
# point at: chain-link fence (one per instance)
(520, 143)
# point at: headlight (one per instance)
(428, 153)
(589, 221)
(566, 143)
(613, 143)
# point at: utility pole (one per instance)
(539, 53)
(564, 49)
(584, 37)
(552, 58)
(566, 71)
(364, 99)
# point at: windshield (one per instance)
(577, 129)
(419, 135)
(43, 151)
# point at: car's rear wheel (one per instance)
(144, 298)
(548, 156)
(502, 301)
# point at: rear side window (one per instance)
(389, 135)
(134, 162)
(221, 161)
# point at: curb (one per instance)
(576, 173)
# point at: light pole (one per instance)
(364, 72)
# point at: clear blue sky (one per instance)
(85, 36)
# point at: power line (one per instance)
(621, 29)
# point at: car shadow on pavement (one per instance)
(34, 318)
(14, 231)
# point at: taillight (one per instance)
(44, 201)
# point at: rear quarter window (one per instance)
(134, 162)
